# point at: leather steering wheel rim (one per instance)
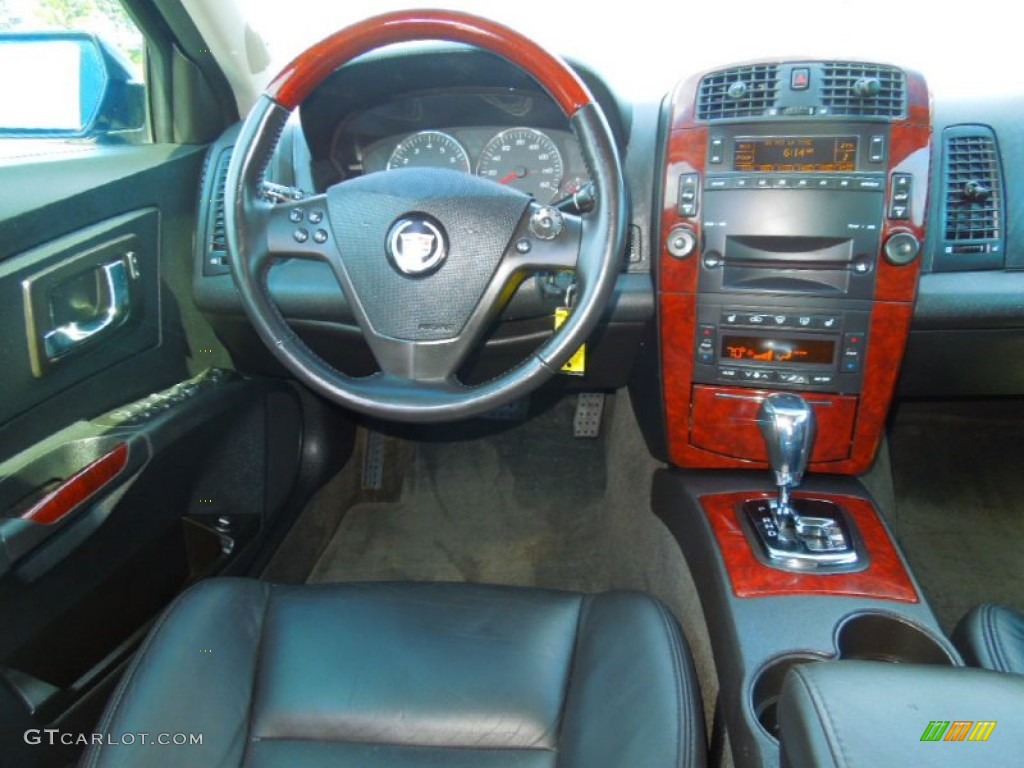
(251, 220)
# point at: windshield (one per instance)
(643, 47)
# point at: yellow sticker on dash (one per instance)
(577, 364)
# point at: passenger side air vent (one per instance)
(738, 92)
(972, 200)
(863, 90)
(216, 257)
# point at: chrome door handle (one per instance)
(60, 341)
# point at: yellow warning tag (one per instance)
(577, 364)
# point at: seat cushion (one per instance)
(992, 637)
(408, 675)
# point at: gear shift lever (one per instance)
(801, 534)
(787, 424)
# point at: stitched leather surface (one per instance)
(992, 637)
(409, 675)
(864, 714)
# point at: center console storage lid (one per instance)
(852, 713)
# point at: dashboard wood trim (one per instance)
(895, 287)
(885, 578)
(300, 76)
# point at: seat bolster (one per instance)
(633, 695)
(211, 636)
(992, 637)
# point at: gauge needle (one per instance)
(518, 173)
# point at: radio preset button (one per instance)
(716, 150)
(876, 149)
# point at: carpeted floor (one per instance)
(959, 510)
(531, 506)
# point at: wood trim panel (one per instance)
(885, 578)
(895, 290)
(724, 421)
(298, 78)
(79, 488)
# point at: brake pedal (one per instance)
(586, 422)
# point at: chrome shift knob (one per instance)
(787, 423)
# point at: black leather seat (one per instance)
(408, 675)
(992, 637)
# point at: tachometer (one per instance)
(429, 149)
(525, 159)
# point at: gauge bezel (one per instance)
(465, 167)
(555, 192)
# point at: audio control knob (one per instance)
(681, 242)
(902, 248)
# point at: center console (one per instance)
(792, 212)
(793, 208)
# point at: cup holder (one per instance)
(863, 636)
(768, 686)
(885, 637)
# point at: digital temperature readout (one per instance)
(795, 154)
(775, 350)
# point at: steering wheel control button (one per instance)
(546, 223)
(681, 242)
(301, 235)
(295, 215)
(320, 236)
(316, 216)
(417, 245)
(901, 249)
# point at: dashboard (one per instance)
(792, 210)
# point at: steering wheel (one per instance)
(426, 257)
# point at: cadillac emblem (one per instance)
(416, 245)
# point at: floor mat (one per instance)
(960, 502)
(531, 506)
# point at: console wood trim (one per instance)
(724, 420)
(885, 578)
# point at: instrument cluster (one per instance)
(542, 161)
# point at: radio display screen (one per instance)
(771, 349)
(795, 154)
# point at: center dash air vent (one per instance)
(972, 200)
(738, 92)
(216, 257)
(863, 90)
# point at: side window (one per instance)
(73, 70)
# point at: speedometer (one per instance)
(429, 149)
(525, 159)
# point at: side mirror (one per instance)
(67, 85)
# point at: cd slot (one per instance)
(797, 264)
